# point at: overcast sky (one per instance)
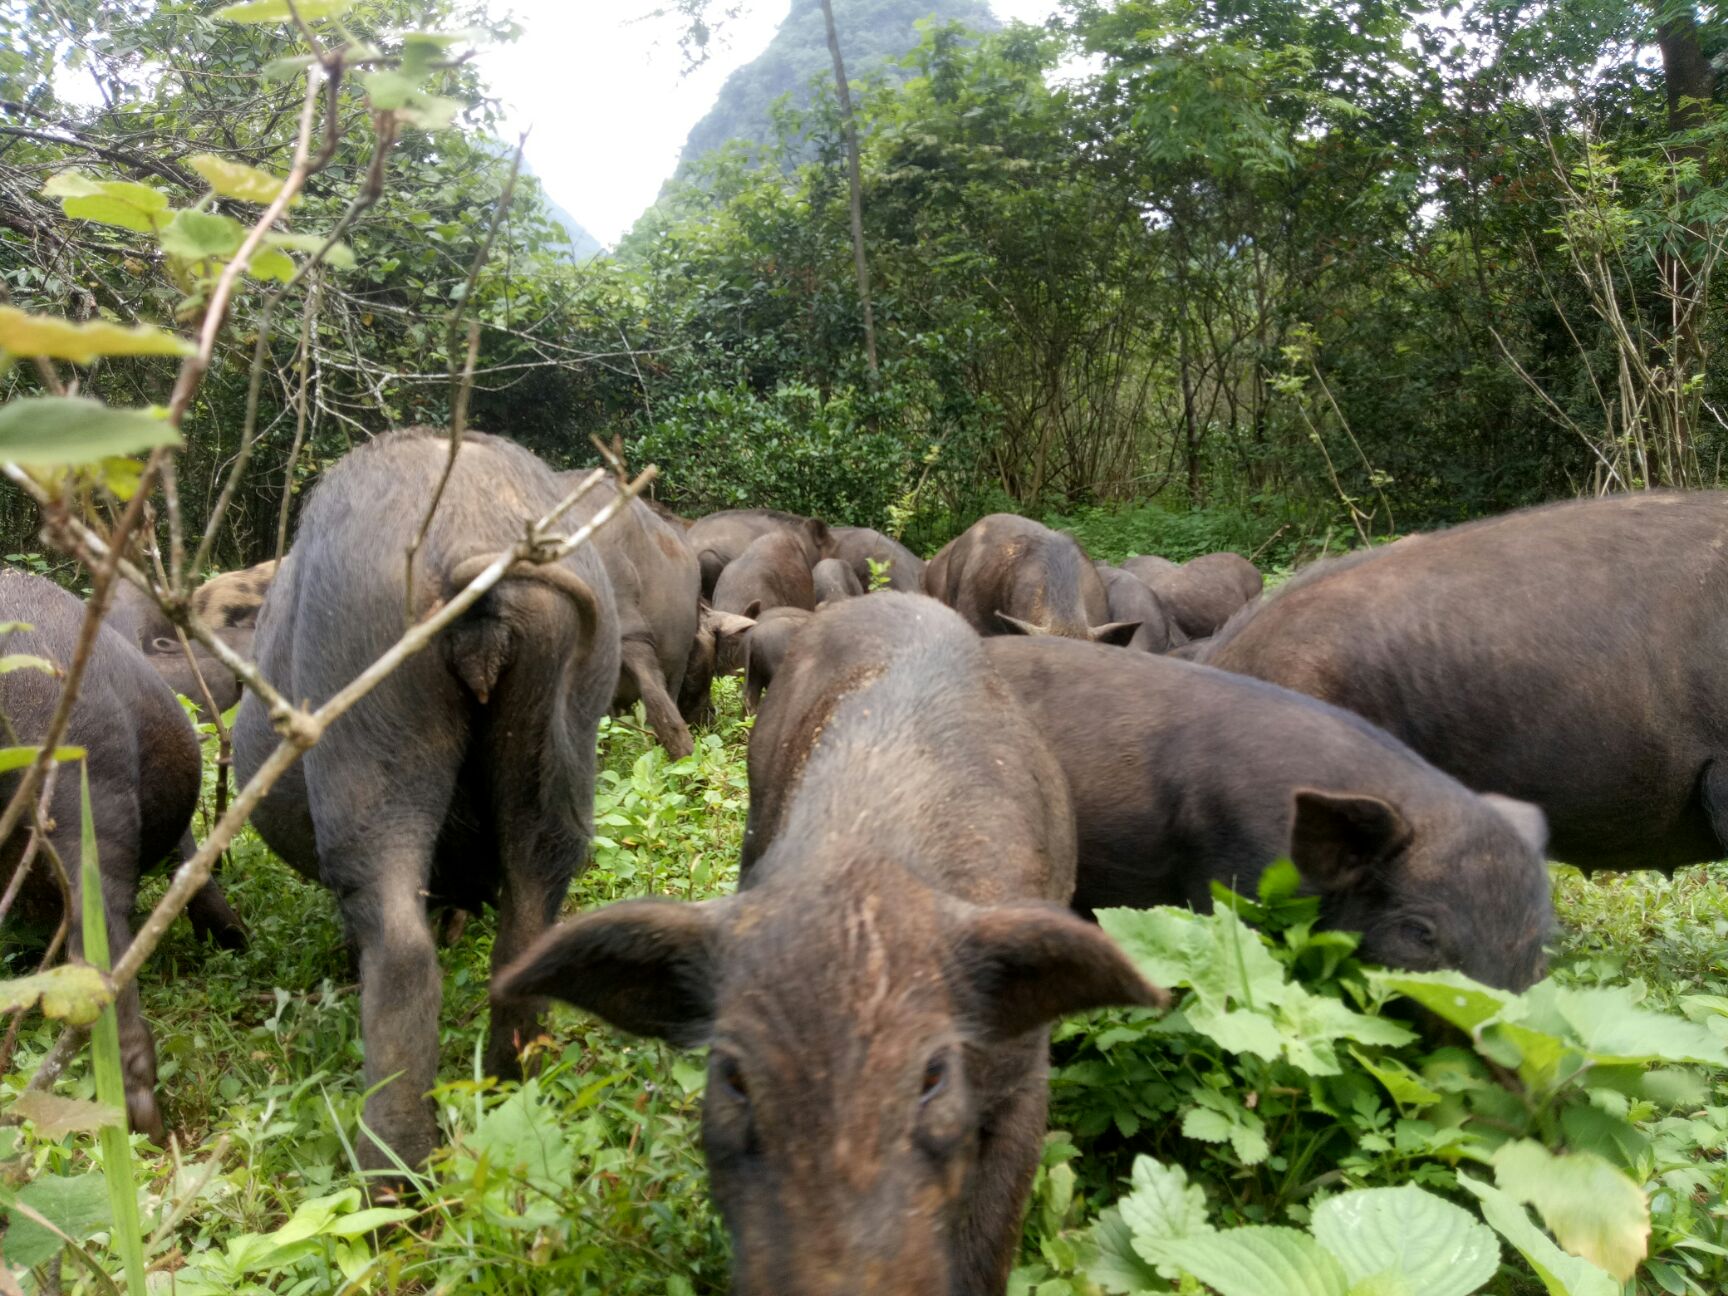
(606, 95)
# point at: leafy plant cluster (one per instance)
(1290, 1080)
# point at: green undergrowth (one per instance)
(1274, 537)
(1288, 1078)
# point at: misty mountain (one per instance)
(585, 247)
(873, 34)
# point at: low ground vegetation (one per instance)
(1287, 1077)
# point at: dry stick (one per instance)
(461, 382)
(260, 350)
(458, 417)
(301, 730)
(311, 309)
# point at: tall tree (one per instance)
(855, 179)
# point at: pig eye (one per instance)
(1419, 930)
(731, 1078)
(935, 1077)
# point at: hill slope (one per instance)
(873, 33)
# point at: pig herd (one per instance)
(953, 765)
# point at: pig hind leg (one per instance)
(212, 917)
(643, 665)
(539, 851)
(377, 858)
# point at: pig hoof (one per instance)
(146, 1117)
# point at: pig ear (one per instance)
(1340, 839)
(1114, 632)
(1025, 965)
(754, 610)
(728, 623)
(1017, 626)
(1527, 820)
(646, 966)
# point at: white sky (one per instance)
(608, 101)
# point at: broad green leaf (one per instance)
(1223, 960)
(1310, 1023)
(1450, 995)
(268, 263)
(77, 1206)
(1437, 1248)
(1401, 1082)
(58, 431)
(273, 11)
(1281, 881)
(72, 992)
(109, 202)
(1589, 1205)
(284, 69)
(15, 758)
(1538, 1057)
(364, 1221)
(340, 255)
(394, 91)
(28, 661)
(1258, 1261)
(1560, 1274)
(1611, 1025)
(1384, 1284)
(1109, 1258)
(199, 236)
(422, 49)
(235, 179)
(1161, 1204)
(1222, 1119)
(53, 1115)
(45, 335)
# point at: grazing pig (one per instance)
(717, 650)
(1010, 575)
(857, 546)
(656, 588)
(1149, 567)
(720, 538)
(773, 572)
(1183, 776)
(467, 776)
(1570, 655)
(832, 580)
(228, 603)
(1204, 592)
(142, 758)
(765, 646)
(877, 995)
(1130, 600)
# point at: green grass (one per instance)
(589, 1178)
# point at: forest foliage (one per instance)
(1355, 271)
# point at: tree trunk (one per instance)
(1690, 83)
(849, 131)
